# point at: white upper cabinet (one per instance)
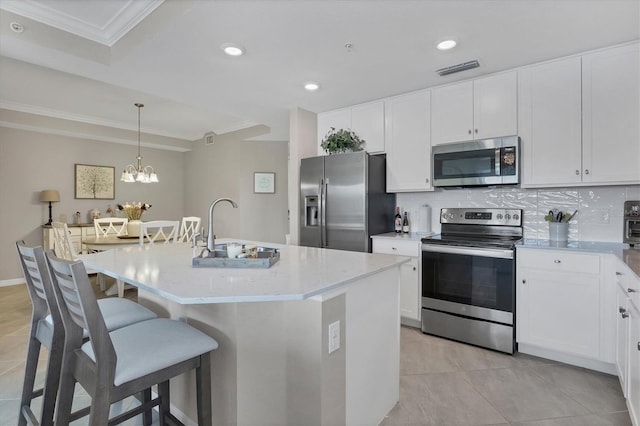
(549, 122)
(452, 113)
(611, 111)
(407, 121)
(338, 119)
(366, 120)
(478, 109)
(578, 119)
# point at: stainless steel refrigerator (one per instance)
(343, 201)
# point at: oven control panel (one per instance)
(496, 217)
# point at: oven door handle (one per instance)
(470, 251)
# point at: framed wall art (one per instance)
(95, 182)
(264, 183)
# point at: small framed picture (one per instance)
(264, 183)
(95, 182)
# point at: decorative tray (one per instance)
(265, 257)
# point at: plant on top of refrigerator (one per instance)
(337, 141)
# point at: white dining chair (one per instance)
(165, 231)
(62, 244)
(110, 226)
(114, 365)
(47, 330)
(190, 225)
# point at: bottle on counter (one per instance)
(405, 224)
(398, 221)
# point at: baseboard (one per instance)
(410, 322)
(15, 281)
(591, 364)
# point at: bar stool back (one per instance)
(125, 362)
(47, 330)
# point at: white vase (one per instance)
(133, 228)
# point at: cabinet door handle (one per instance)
(618, 273)
(393, 248)
(557, 261)
(476, 130)
(524, 281)
(630, 290)
(426, 180)
(414, 268)
(621, 309)
(469, 131)
(577, 172)
(624, 315)
(586, 172)
(639, 346)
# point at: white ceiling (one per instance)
(90, 60)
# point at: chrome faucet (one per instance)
(211, 243)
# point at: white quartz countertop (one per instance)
(411, 236)
(630, 256)
(301, 272)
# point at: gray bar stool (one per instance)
(47, 330)
(114, 365)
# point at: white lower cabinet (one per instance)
(410, 275)
(633, 395)
(582, 309)
(628, 339)
(564, 307)
(558, 301)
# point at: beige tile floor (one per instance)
(441, 383)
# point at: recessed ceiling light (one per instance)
(446, 44)
(311, 86)
(232, 49)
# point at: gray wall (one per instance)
(31, 161)
(225, 169)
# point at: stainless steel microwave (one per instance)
(485, 162)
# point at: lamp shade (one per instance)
(49, 195)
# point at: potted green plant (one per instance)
(343, 140)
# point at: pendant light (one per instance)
(142, 174)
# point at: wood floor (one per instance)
(442, 382)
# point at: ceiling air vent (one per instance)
(457, 68)
(209, 138)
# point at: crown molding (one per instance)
(49, 112)
(90, 136)
(128, 16)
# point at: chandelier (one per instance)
(142, 174)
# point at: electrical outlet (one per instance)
(334, 336)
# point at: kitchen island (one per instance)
(273, 365)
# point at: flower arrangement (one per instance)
(133, 211)
(342, 140)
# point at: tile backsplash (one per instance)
(599, 215)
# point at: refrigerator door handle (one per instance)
(323, 212)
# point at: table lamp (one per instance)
(50, 196)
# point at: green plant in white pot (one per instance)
(337, 141)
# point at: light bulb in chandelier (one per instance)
(144, 174)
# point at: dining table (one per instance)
(312, 339)
(108, 242)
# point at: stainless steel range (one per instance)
(468, 277)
